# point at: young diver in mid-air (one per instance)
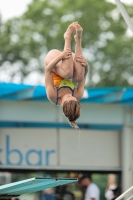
(61, 68)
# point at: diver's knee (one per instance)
(79, 77)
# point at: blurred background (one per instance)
(35, 138)
(38, 26)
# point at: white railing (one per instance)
(124, 14)
(131, 197)
(126, 193)
(130, 25)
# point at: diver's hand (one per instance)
(66, 54)
(81, 60)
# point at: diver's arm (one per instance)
(50, 89)
(83, 62)
(79, 91)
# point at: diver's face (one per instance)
(67, 97)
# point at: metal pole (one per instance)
(124, 14)
(123, 195)
(130, 198)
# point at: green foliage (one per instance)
(26, 40)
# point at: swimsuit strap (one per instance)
(57, 90)
(72, 92)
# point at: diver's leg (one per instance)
(64, 68)
(79, 70)
(51, 56)
(68, 64)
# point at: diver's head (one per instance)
(71, 109)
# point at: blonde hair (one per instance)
(71, 110)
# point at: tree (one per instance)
(26, 40)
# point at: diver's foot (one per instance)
(79, 31)
(70, 30)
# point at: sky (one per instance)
(15, 8)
